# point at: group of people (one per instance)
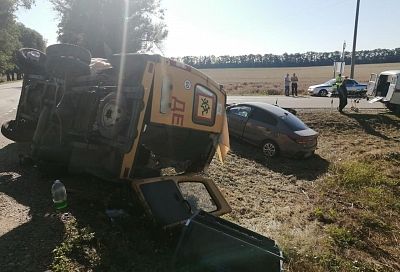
(293, 81)
(340, 86)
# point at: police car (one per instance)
(353, 88)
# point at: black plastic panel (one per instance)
(209, 243)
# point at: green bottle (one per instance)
(59, 194)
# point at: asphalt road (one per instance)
(304, 102)
(10, 92)
(9, 97)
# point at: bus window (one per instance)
(204, 106)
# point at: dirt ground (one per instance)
(277, 198)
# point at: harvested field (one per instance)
(337, 211)
(269, 81)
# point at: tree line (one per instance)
(292, 60)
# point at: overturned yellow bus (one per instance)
(121, 118)
(128, 117)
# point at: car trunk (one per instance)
(306, 137)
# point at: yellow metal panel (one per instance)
(181, 98)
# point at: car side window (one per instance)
(263, 116)
(350, 82)
(242, 111)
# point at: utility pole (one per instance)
(336, 67)
(353, 54)
(342, 60)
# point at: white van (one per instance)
(386, 89)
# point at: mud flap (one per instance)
(209, 243)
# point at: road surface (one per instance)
(9, 97)
(10, 92)
(303, 102)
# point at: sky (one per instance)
(238, 27)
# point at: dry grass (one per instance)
(261, 81)
(337, 211)
(334, 212)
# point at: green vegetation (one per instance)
(359, 213)
(77, 244)
(341, 236)
(356, 175)
(82, 24)
(15, 35)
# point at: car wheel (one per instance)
(323, 92)
(16, 133)
(69, 51)
(31, 61)
(67, 59)
(393, 107)
(112, 115)
(270, 149)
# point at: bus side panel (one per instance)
(174, 97)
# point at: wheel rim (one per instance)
(323, 93)
(111, 114)
(269, 149)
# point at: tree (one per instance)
(98, 24)
(30, 38)
(9, 34)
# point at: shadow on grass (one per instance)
(370, 123)
(127, 243)
(307, 169)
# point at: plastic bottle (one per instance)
(59, 194)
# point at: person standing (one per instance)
(342, 92)
(294, 80)
(287, 84)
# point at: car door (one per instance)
(261, 125)
(392, 86)
(237, 118)
(371, 85)
(173, 199)
(350, 86)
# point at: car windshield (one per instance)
(293, 122)
(330, 82)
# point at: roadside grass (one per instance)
(358, 210)
(78, 243)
